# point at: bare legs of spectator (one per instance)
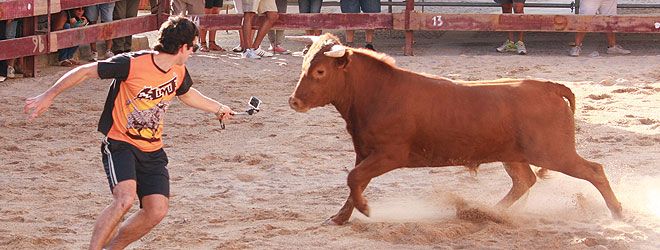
(271, 17)
(212, 45)
(510, 45)
(369, 38)
(246, 30)
(277, 36)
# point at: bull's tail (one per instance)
(566, 93)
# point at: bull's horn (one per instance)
(336, 51)
(305, 39)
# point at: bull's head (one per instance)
(323, 73)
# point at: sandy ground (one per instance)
(269, 181)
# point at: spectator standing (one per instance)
(276, 37)
(188, 7)
(250, 8)
(3, 63)
(515, 6)
(598, 7)
(124, 9)
(75, 19)
(211, 7)
(13, 31)
(104, 11)
(354, 6)
(310, 6)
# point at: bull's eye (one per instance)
(320, 72)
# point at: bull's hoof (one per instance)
(333, 222)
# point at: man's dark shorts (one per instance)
(509, 1)
(123, 161)
(354, 6)
(208, 4)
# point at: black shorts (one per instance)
(212, 3)
(123, 161)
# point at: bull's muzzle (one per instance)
(296, 104)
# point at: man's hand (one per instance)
(224, 113)
(35, 106)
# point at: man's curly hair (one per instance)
(174, 33)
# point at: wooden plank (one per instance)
(104, 31)
(37, 44)
(12, 9)
(305, 21)
(529, 22)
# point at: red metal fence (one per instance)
(37, 44)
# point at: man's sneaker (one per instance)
(11, 72)
(520, 48)
(369, 46)
(2, 78)
(278, 49)
(238, 49)
(94, 56)
(109, 54)
(262, 53)
(617, 49)
(507, 46)
(575, 50)
(249, 53)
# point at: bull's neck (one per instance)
(358, 96)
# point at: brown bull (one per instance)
(402, 119)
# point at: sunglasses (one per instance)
(195, 47)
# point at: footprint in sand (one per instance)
(599, 97)
(647, 121)
(625, 90)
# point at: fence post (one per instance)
(407, 50)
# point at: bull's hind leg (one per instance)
(594, 173)
(522, 177)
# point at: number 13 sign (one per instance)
(436, 22)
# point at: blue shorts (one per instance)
(92, 12)
(309, 6)
(354, 6)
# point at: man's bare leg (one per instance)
(271, 17)
(124, 195)
(154, 209)
(247, 29)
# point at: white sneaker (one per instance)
(94, 56)
(262, 53)
(249, 53)
(11, 72)
(575, 50)
(507, 46)
(617, 49)
(109, 54)
(520, 48)
(2, 78)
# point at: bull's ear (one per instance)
(304, 39)
(342, 62)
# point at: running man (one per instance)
(144, 85)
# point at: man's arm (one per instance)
(195, 99)
(37, 105)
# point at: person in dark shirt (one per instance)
(144, 85)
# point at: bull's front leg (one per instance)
(343, 215)
(358, 179)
